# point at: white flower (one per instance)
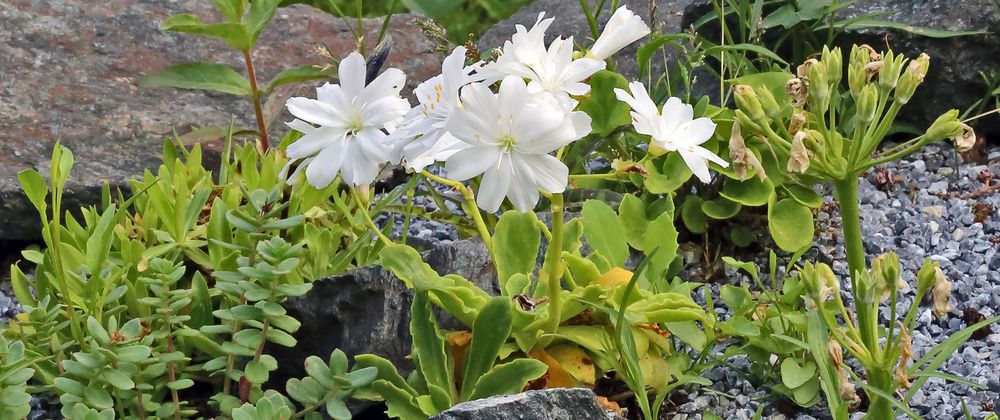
(622, 29)
(511, 135)
(423, 137)
(673, 129)
(351, 117)
(551, 69)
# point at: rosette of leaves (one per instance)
(449, 373)
(14, 375)
(252, 316)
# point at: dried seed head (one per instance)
(799, 120)
(798, 159)
(872, 54)
(941, 292)
(906, 354)
(802, 71)
(798, 91)
(967, 140)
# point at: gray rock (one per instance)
(70, 69)
(545, 404)
(367, 310)
(953, 79)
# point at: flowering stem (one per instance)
(846, 192)
(255, 96)
(363, 209)
(471, 208)
(553, 260)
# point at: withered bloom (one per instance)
(941, 292)
(798, 160)
(798, 91)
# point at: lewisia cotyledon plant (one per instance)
(673, 129)
(423, 137)
(510, 135)
(352, 118)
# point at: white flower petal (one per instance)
(351, 73)
(323, 169)
(639, 100)
(496, 183)
(313, 142)
(315, 112)
(471, 162)
(523, 190)
(300, 126)
(389, 83)
(697, 164)
(622, 29)
(697, 131)
(549, 173)
(384, 110)
(674, 114)
(373, 144)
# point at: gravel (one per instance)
(928, 213)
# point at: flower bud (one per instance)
(891, 68)
(798, 159)
(769, 103)
(799, 120)
(870, 287)
(857, 75)
(833, 60)
(748, 101)
(797, 91)
(941, 292)
(886, 266)
(925, 277)
(946, 126)
(912, 77)
(867, 103)
(819, 88)
(747, 124)
(965, 141)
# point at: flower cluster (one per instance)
(501, 120)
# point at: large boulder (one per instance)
(543, 404)
(367, 310)
(69, 74)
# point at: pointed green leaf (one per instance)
(201, 76)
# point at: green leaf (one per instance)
(401, 404)
(386, 370)
(804, 195)
(232, 10)
(201, 76)
(660, 236)
(261, 12)
(872, 22)
(694, 219)
(98, 332)
(606, 112)
(515, 243)
(256, 372)
(428, 344)
(632, 214)
(233, 34)
(764, 52)
(489, 333)
(720, 209)
(336, 408)
(434, 9)
(689, 333)
(298, 74)
(794, 374)
(603, 231)
(737, 298)
(669, 177)
(791, 225)
(751, 192)
(35, 188)
(133, 354)
(508, 378)
(118, 379)
(201, 302)
(180, 384)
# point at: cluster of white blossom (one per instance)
(501, 120)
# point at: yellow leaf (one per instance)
(614, 277)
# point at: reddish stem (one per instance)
(255, 95)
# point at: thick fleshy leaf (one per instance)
(606, 112)
(791, 225)
(489, 333)
(603, 231)
(515, 242)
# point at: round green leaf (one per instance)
(751, 192)
(720, 208)
(791, 225)
(668, 177)
(692, 215)
(804, 195)
(794, 375)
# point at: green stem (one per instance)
(591, 19)
(846, 193)
(255, 96)
(553, 259)
(470, 207)
(880, 408)
(363, 209)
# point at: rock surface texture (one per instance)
(952, 82)
(545, 404)
(367, 310)
(70, 69)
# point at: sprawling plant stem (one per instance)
(470, 208)
(255, 95)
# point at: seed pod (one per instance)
(965, 141)
(867, 103)
(833, 60)
(946, 126)
(925, 277)
(748, 101)
(769, 103)
(912, 77)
